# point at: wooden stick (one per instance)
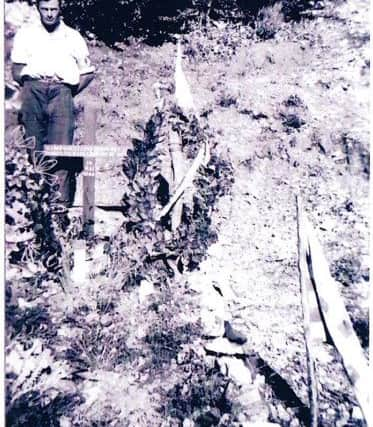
(90, 118)
(303, 277)
(200, 159)
(338, 323)
(178, 166)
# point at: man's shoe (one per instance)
(232, 335)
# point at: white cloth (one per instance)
(62, 53)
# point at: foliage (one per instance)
(292, 112)
(38, 388)
(29, 200)
(347, 270)
(146, 245)
(95, 346)
(36, 409)
(269, 21)
(167, 339)
(156, 21)
(215, 42)
(201, 394)
(31, 322)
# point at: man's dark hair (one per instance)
(39, 1)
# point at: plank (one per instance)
(90, 119)
(313, 330)
(90, 150)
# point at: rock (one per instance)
(237, 370)
(212, 312)
(250, 395)
(225, 289)
(294, 423)
(223, 346)
(357, 414)
(283, 414)
(273, 411)
(106, 320)
(233, 335)
(23, 304)
(92, 317)
(255, 409)
(145, 290)
(212, 324)
(65, 422)
(212, 300)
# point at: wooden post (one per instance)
(90, 119)
(178, 166)
(302, 268)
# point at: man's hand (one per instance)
(85, 80)
(16, 72)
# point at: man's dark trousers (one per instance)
(47, 114)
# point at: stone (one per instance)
(145, 290)
(233, 335)
(255, 408)
(357, 414)
(65, 422)
(225, 289)
(212, 300)
(92, 317)
(106, 320)
(237, 370)
(222, 346)
(212, 312)
(283, 414)
(212, 324)
(294, 423)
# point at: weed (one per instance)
(199, 396)
(347, 270)
(269, 21)
(35, 409)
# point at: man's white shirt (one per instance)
(62, 53)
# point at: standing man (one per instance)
(51, 63)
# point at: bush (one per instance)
(29, 199)
(143, 242)
(269, 21)
(156, 21)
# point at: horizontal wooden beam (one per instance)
(83, 151)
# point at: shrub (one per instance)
(29, 200)
(157, 21)
(269, 21)
(142, 241)
(200, 396)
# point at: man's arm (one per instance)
(84, 81)
(16, 72)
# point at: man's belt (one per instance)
(44, 79)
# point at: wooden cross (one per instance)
(89, 151)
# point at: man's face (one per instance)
(49, 12)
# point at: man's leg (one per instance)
(60, 132)
(33, 113)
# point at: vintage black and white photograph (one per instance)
(186, 213)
